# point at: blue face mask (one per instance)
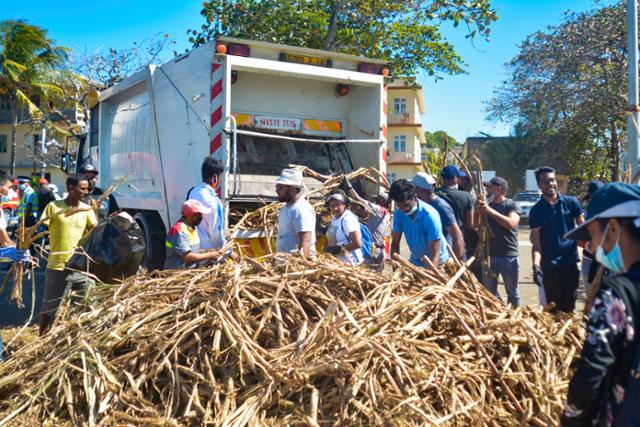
(23, 187)
(613, 259)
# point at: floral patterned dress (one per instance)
(595, 393)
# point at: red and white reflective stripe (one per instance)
(217, 119)
(384, 124)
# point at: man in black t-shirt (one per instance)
(460, 201)
(503, 217)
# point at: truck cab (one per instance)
(257, 107)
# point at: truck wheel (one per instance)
(154, 237)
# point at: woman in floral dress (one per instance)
(605, 389)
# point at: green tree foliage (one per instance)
(404, 33)
(567, 92)
(436, 139)
(28, 64)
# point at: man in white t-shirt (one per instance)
(211, 229)
(297, 219)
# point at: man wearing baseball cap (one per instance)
(503, 217)
(183, 243)
(424, 184)
(605, 388)
(108, 206)
(460, 201)
(297, 219)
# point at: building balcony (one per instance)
(403, 119)
(403, 157)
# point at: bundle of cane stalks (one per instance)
(293, 342)
(266, 217)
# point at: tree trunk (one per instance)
(13, 104)
(336, 8)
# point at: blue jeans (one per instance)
(507, 267)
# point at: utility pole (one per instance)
(43, 152)
(633, 119)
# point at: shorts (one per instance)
(58, 284)
(55, 282)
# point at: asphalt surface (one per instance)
(10, 314)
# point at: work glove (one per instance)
(16, 255)
(538, 276)
(345, 185)
(333, 250)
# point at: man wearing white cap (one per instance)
(183, 243)
(297, 219)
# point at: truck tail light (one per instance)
(366, 67)
(233, 49)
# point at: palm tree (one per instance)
(27, 60)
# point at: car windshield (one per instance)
(527, 197)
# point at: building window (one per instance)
(4, 103)
(399, 105)
(400, 143)
(391, 176)
(3, 143)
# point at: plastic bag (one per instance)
(112, 251)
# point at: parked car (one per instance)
(526, 200)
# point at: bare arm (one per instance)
(469, 219)
(536, 250)
(192, 258)
(434, 248)
(355, 241)
(354, 194)
(456, 239)
(395, 243)
(4, 238)
(304, 239)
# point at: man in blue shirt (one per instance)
(555, 258)
(420, 223)
(425, 184)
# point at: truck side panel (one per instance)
(129, 157)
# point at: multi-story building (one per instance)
(404, 130)
(29, 157)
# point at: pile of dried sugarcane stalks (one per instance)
(293, 342)
(266, 217)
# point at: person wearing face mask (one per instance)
(211, 229)
(108, 206)
(343, 236)
(183, 244)
(419, 223)
(605, 388)
(28, 207)
(296, 219)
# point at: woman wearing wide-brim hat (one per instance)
(605, 388)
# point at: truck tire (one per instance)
(154, 237)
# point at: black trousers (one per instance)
(561, 286)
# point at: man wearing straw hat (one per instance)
(297, 219)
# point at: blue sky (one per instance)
(454, 104)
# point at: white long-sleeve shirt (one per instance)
(211, 229)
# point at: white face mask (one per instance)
(413, 210)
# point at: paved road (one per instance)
(10, 314)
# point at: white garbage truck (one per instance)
(255, 106)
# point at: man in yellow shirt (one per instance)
(68, 220)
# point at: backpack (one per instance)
(365, 236)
